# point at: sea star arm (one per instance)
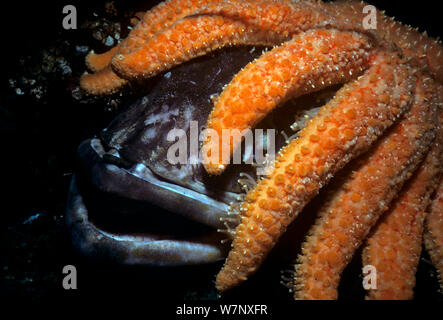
(347, 126)
(394, 245)
(158, 18)
(426, 52)
(433, 236)
(215, 26)
(364, 193)
(256, 22)
(105, 81)
(98, 61)
(311, 61)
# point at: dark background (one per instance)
(39, 137)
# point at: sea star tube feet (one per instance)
(342, 130)
(310, 62)
(177, 31)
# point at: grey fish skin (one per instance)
(129, 162)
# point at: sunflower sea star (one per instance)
(343, 129)
(315, 59)
(105, 80)
(394, 246)
(392, 71)
(369, 186)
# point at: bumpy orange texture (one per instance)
(378, 100)
(310, 62)
(394, 246)
(363, 193)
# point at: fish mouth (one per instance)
(124, 211)
(129, 215)
(129, 204)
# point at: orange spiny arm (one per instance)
(98, 61)
(341, 130)
(215, 26)
(364, 192)
(425, 51)
(105, 81)
(158, 18)
(394, 246)
(102, 82)
(310, 62)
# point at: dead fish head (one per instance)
(134, 200)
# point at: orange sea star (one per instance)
(343, 129)
(394, 246)
(105, 80)
(323, 44)
(355, 205)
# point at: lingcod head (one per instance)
(130, 203)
